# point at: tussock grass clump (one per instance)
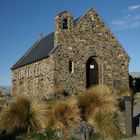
(105, 122)
(1, 93)
(124, 91)
(26, 113)
(56, 91)
(98, 106)
(63, 115)
(128, 92)
(97, 97)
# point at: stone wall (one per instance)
(88, 37)
(35, 78)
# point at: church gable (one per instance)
(92, 23)
(89, 39)
(89, 27)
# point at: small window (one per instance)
(91, 66)
(71, 66)
(65, 24)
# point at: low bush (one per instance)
(24, 113)
(96, 136)
(124, 91)
(98, 106)
(57, 91)
(48, 135)
(104, 121)
(97, 97)
(63, 115)
(72, 138)
(1, 93)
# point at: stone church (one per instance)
(80, 53)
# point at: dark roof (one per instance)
(75, 21)
(41, 49)
(38, 51)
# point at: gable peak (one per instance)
(63, 13)
(88, 11)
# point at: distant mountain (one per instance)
(5, 89)
(135, 74)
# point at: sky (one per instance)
(22, 21)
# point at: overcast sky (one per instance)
(22, 21)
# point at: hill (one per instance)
(5, 89)
(135, 74)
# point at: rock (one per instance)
(59, 134)
(2, 131)
(49, 96)
(82, 131)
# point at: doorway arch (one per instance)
(92, 72)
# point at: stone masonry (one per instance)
(88, 37)
(35, 78)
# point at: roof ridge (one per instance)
(81, 17)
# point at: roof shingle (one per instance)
(38, 51)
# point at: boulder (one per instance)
(82, 131)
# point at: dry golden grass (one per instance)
(25, 112)
(124, 91)
(1, 93)
(127, 92)
(104, 121)
(97, 97)
(63, 115)
(56, 90)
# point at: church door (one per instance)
(92, 72)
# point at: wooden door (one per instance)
(92, 73)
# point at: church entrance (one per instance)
(92, 72)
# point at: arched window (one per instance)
(65, 23)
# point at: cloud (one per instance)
(133, 7)
(118, 22)
(130, 19)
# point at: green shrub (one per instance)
(72, 138)
(48, 135)
(96, 136)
